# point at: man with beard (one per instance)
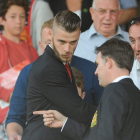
(51, 83)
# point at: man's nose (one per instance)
(108, 15)
(96, 72)
(137, 46)
(18, 19)
(67, 48)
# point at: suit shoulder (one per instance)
(116, 89)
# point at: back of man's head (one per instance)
(67, 21)
(79, 81)
(118, 50)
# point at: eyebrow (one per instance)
(61, 40)
(74, 40)
(133, 38)
(16, 13)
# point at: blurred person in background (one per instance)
(13, 50)
(105, 15)
(134, 36)
(16, 119)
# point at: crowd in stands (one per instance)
(26, 31)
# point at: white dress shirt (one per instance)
(135, 73)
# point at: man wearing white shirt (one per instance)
(105, 15)
(134, 35)
(117, 116)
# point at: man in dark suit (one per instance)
(51, 83)
(117, 116)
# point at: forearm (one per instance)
(127, 15)
(14, 128)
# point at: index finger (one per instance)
(40, 112)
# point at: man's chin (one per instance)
(65, 59)
(138, 58)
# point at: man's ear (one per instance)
(50, 34)
(50, 31)
(109, 62)
(1, 20)
(120, 13)
(41, 48)
(83, 95)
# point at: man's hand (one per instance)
(52, 118)
(14, 131)
(15, 137)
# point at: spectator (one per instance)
(16, 119)
(79, 81)
(12, 49)
(105, 14)
(134, 35)
(92, 88)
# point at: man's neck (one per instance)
(107, 35)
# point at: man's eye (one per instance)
(12, 16)
(102, 11)
(22, 16)
(113, 11)
(132, 41)
(61, 41)
(73, 42)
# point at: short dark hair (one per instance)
(120, 51)
(79, 79)
(67, 20)
(135, 21)
(6, 4)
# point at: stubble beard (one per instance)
(57, 54)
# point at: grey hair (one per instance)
(94, 6)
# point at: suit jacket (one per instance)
(117, 116)
(50, 87)
(92, 88)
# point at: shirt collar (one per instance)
(92, 31)
(120, 78)
(119, 32)
(50, 46)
